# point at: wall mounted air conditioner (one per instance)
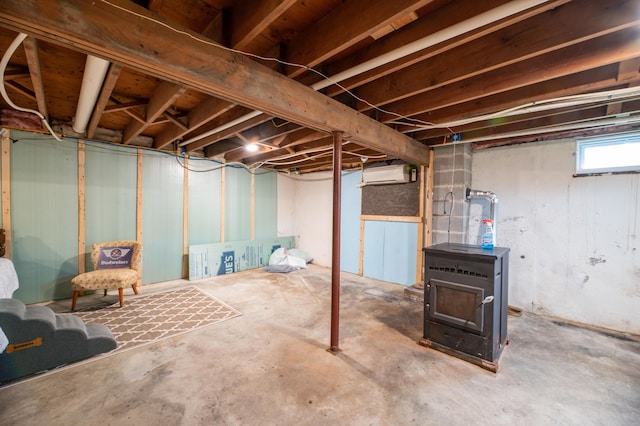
(398, 173)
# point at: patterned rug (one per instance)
(146, 319)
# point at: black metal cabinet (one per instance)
(465, 301)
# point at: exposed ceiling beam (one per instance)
(538, 35)
(345, 26)
(629, 70)
(203, 113)
(268, 131)
(16, 73)
(150, 47)
(117, 106)
(454, 13)
(175, 120)
(163, 97)
(250, 17)
(224, 134)
(221, 147)
(610, 48)
(21, 89)
(103, 98)
(35, 70)
(595, 79)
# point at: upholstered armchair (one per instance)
(117, 264)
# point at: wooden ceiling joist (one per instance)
(516, 43)
(203, 113)
(178, 57)
(251, 17)
(610, 48)
(454, 13)
(339, 29)
(35, 70)
(227, 132)
(103, 98)
(600, 78)
(162, 98)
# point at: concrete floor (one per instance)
(270, 367)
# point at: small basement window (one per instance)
(608, 154)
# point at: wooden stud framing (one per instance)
(253, 206)
(222, 192)
(415, 219)
(139, 199)
(139, 204)
(6, 192)
(429, 212)
(185, 219)
(361, 259)
(82, 217)
(421, 210)
(407, 219)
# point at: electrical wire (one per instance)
(417, 123)
(409, 121)
(3, 67)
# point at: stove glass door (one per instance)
(457, 304)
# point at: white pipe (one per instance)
(222, 127)
(478, 21)
(455, 30)
(536, 106)
(95, 71)
(616, 121)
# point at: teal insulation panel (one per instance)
(237, 203)
(162, 207)
(44, 215)
(266, 203)
(204, 201)
(390, 251)
(350, 222)
(110, 194)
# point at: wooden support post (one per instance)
(6, 192)
(82, 267)
(335, 251)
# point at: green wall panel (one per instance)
(162, 187)
(44, 215)
(44, 195)
(266, 205)
(204, 201)
(110, 194)
(237, 198)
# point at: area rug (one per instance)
(149, 318)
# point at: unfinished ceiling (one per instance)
(209, 77)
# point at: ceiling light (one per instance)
(252, 147)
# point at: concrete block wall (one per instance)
(451, 173)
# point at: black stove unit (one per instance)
(465, 301)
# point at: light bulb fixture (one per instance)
(252, 147)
